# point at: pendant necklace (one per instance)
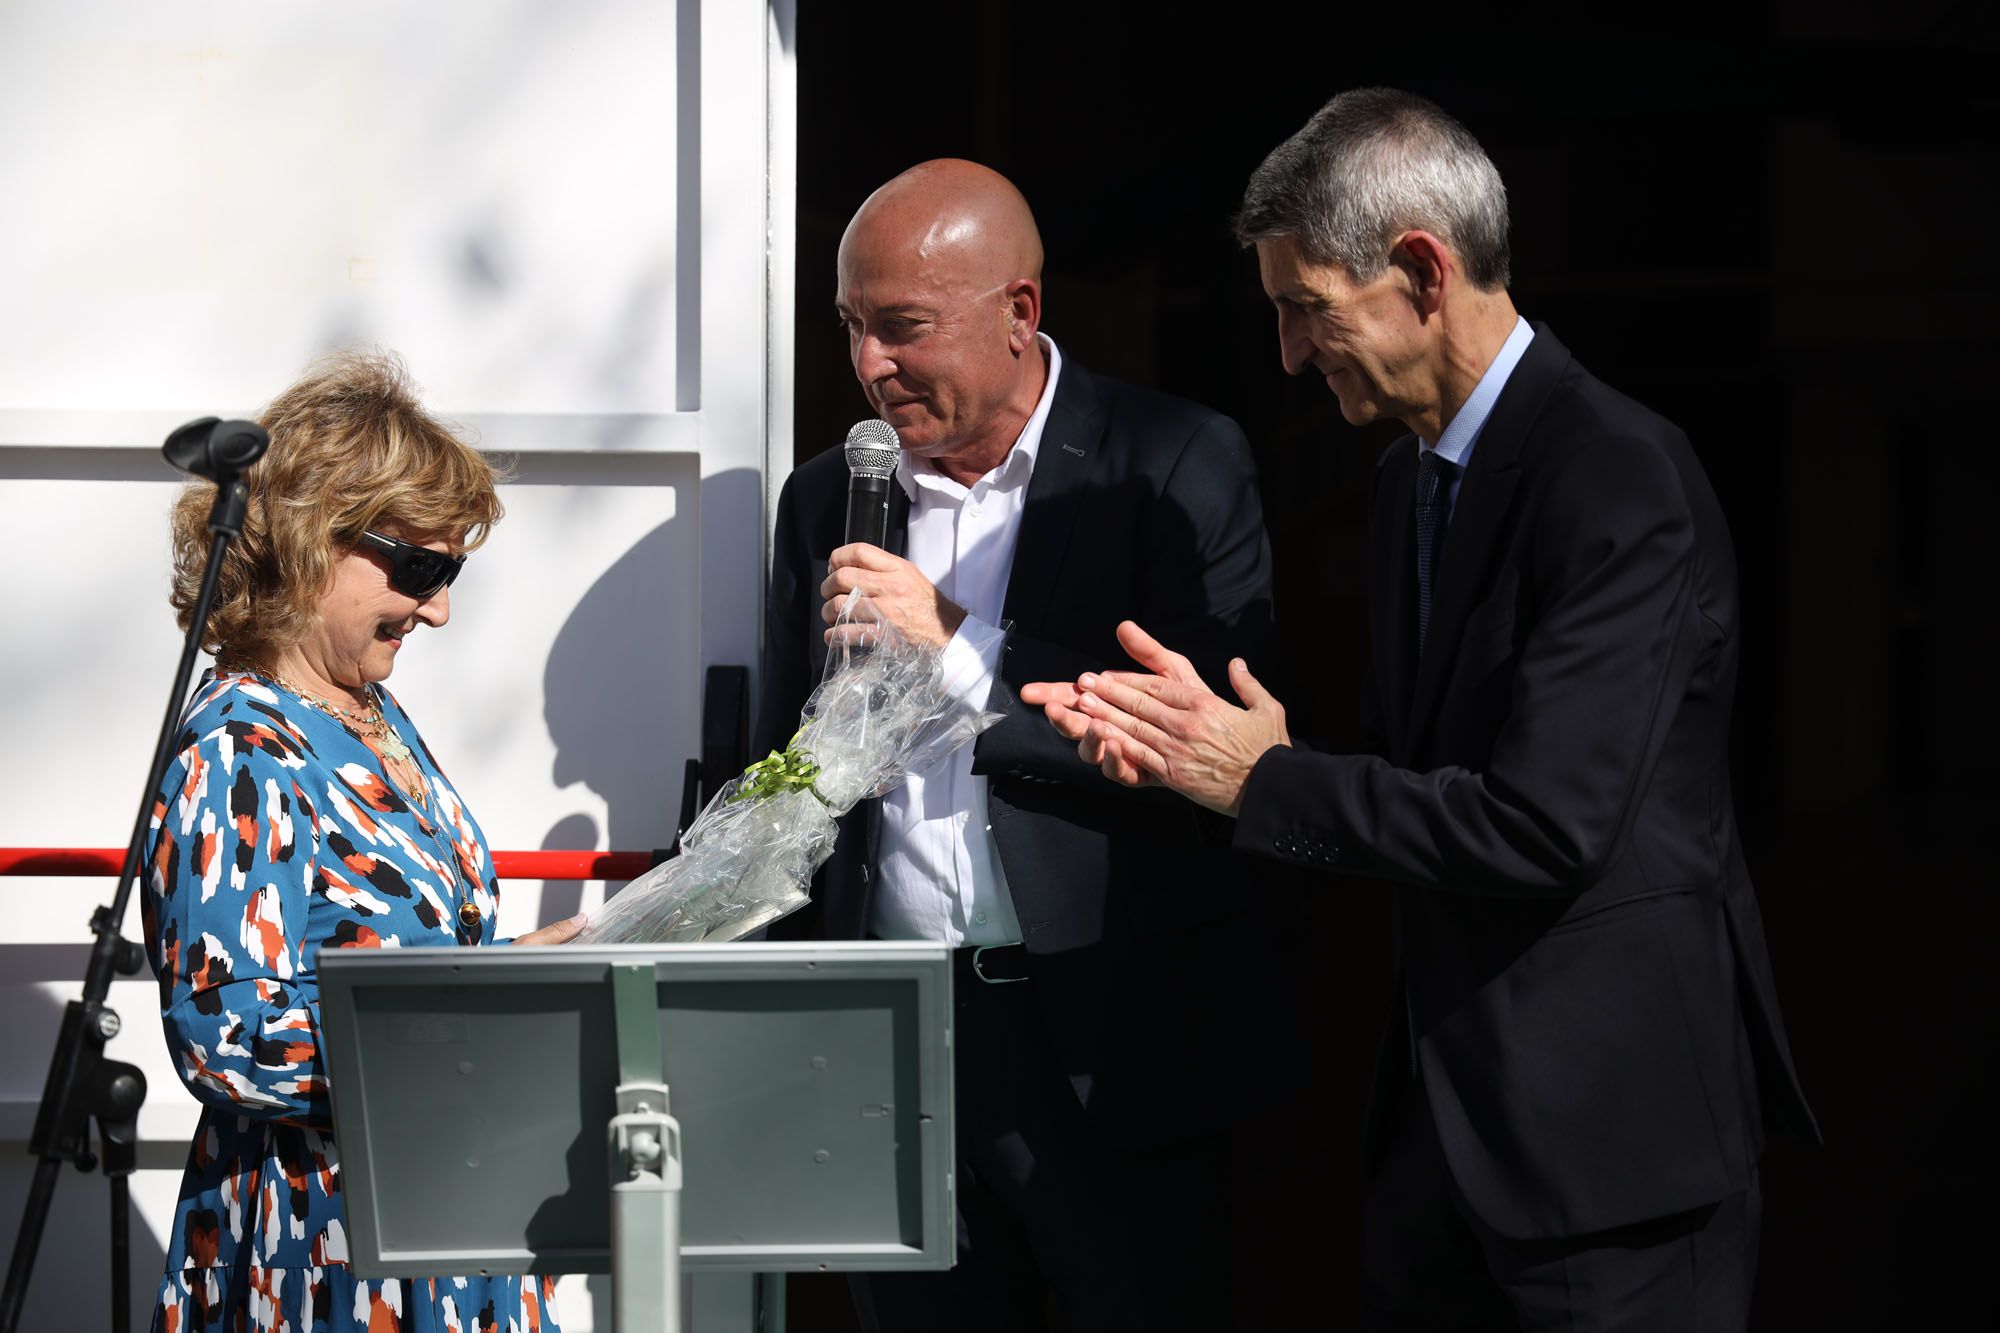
(373, 729)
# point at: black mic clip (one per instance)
(216, 449)
(220, 450)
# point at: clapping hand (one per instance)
(1164, 724)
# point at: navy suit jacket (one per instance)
(1579, 944)
(1145, 933)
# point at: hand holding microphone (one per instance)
(896, 591)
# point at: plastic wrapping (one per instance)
(881, 712)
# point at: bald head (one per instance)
(964, 222)
(939, 283)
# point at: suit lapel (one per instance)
(1479, 517)
(1071, 441)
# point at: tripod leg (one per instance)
(119, 1092)
(121, 1254)
(61, 1131)
(27, 1242)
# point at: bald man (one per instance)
(1104, 946)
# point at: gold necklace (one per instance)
(375, 731)
(397, 761)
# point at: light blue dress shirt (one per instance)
(1461, 433)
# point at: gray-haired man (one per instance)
(1568, 1115)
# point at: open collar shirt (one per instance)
(939, 873)
(1456, 442)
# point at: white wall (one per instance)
(573, 220)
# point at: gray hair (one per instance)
(1370, 165)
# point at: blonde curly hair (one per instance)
(351, 449)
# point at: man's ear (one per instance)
(1024, 313)
(1427, 267)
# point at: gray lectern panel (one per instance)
(478, 1101)
(472, 1089)
(815, 1102)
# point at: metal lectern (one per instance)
(636, 1109)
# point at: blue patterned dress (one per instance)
(275, 834)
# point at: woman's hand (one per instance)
(562, 932)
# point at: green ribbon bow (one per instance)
(774, 775)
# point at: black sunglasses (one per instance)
(415, 571)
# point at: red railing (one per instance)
(108, 861)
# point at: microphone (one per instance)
(872, 451)
(216, 449)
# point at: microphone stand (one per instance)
(83, 1085)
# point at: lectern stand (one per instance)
(735, 1109)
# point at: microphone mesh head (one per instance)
(872, 449)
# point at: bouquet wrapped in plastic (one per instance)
(882, 711)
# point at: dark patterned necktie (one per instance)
(1434, 476)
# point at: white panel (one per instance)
(561, 213)
(227, 188)
(783, 99)
(735, 450)
(500, 432)
(562, 697)
(91, 642)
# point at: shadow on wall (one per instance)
(563, 898)
(608, 675)
(634, 649)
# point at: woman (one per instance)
(304, 812)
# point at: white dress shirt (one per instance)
(938, 872)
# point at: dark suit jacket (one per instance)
(1142, 927)
(1582, 953)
